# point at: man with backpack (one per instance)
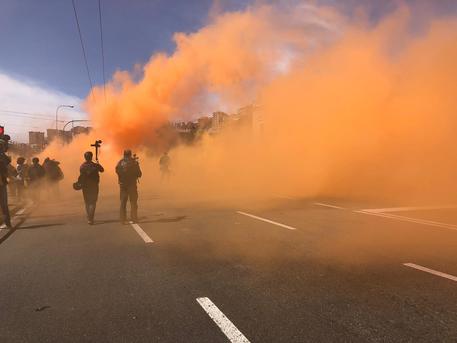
(89, 179)
(128, 172)
(53, 176)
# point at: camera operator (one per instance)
(89, 179)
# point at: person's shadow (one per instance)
(165, 220)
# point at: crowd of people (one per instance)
(25, 181)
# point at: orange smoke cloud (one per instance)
(230, 60)
(347, 109)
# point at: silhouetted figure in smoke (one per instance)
(164, 163)
(4, 163)
(22, 170)
(53, 175)
(36, 176)
(89, 179)
(128, 171)
(12, 174)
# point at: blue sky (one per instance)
(41, 54)
(40, 48)
(39, 39)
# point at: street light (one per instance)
(57, 112)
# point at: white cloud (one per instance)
(19, 95)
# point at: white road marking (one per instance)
(227, 327)
(412, 220)
(142, 234)
(431, 271)
(267, 220)
(328, 205)
(406, 209)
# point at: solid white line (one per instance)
(142, 234)
(412, 220)
(267, 220)
(405, 209)
(431, 271)
(227, 327)
(327, 205)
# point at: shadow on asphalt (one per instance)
(165, 220)
(10, 232)
(108, 221)
(38, 226)
(5, 237)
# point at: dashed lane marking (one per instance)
(141, 233)
(328, 205)
(408, 208)
(267, 220)
(431, 271)
(411, 220)
(227, 327)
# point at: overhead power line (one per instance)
(21, 112)
(28, 116)
(82, 45)
(102, 46)
(31, 115)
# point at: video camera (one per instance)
(97, 145)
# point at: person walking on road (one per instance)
(36, 175)
(164, 163)
(21, 178)
(128, 172)
(53, 175)
(89, 179)
(4, 163)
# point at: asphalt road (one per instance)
(282, 270)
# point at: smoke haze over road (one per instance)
(349, 108)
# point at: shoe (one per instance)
(90, 222)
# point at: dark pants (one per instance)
(90, 194)
(4, 205)
(129, 192)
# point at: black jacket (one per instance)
(128, 171)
